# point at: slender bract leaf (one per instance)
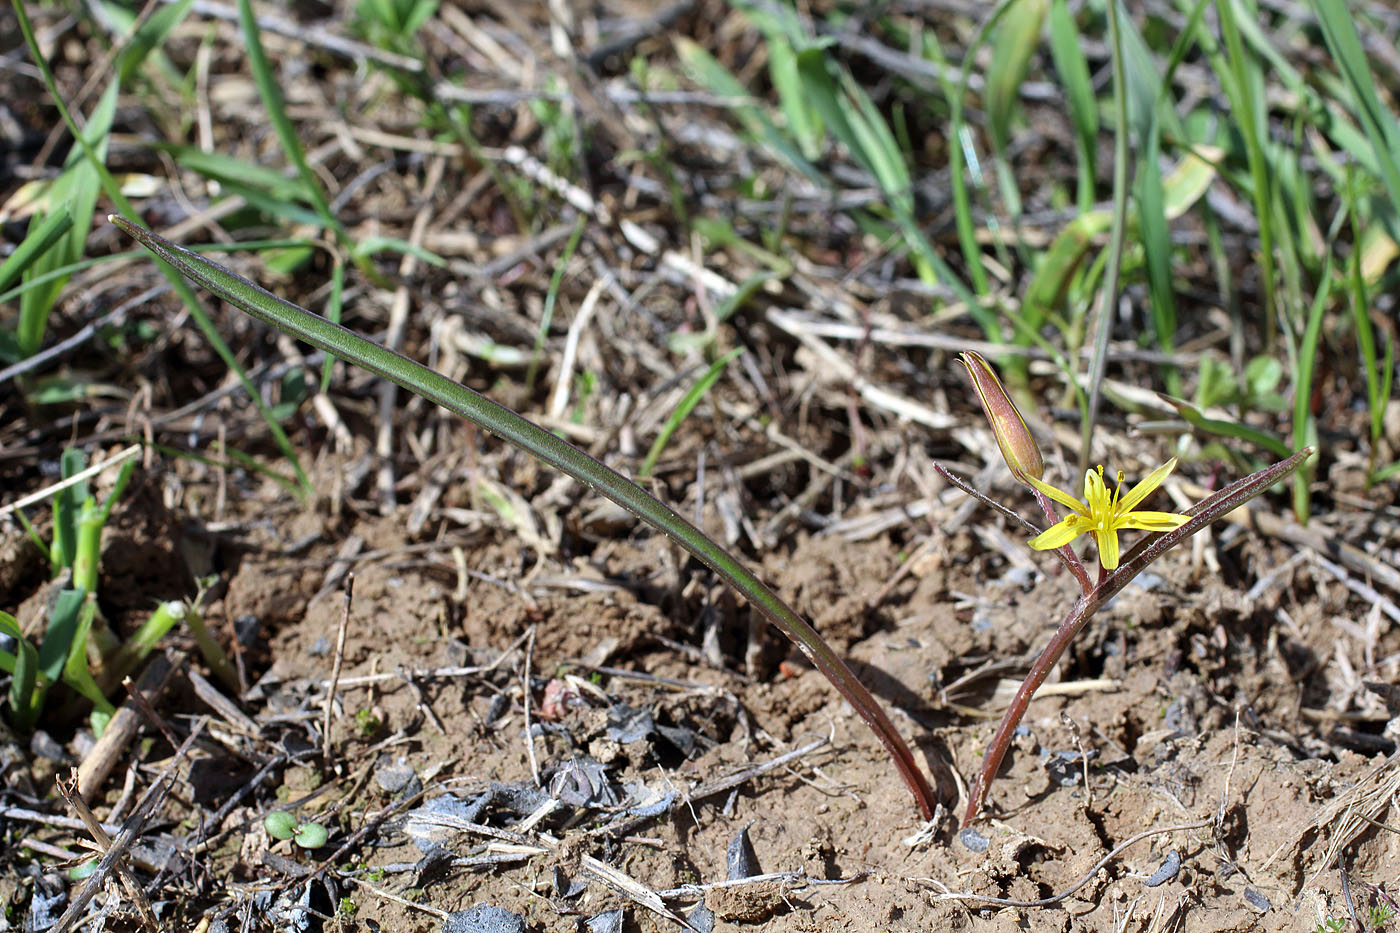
(554, 451)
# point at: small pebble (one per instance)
(702, 919)
(246, 628)
(1179, 718)
(392, 775)
(974, 840)
(43, 745)
(628, 724)
(484, 918)
(1257, 900)
(567, 887)
(739, 858)
(610, 922)
(1167, 871)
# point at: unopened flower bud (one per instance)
(1018, 448)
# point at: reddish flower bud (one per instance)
(1018, 448)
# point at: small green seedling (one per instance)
(73, 621)
(282, 825)
(1103, 513)
(77, 649)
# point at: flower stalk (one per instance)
(1102, 515)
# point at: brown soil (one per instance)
(1221, 702)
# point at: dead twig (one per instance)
(130, 831)
(97, 765)
(335, 668)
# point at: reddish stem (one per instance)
(1067, 555)
(1133, 562)
(1083, 608)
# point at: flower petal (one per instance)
(1059, 495)
(1108, 548)
(1060, 534)
(1153, 521)
(1143, 489)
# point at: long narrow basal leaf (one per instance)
(553, 450)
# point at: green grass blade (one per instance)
(76, 189)
(114, 192)
(1221, 428)
(334, 306)
(1377, 394)
(550, 297)
(273, 102)
(1382, 129)
(62, 630)
(1240, 78)
(506, 424)
(1304, 425)
(706, 71)
(1073, 69)
(1014, 42)
(23, 668)
(67, 503)
(683, 410)
(42, 234)
(1108, 296)
(962, 201)
(1155, 236)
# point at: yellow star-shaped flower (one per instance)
(1104, 513)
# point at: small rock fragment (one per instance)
(702, 919)
(484, 918)
(393, 775)
(582, 782)
(500, 705)
(246, 628)
(44, 746)
(1067, 767)
(974, 840)
(1179, 718)
(629, 724)
(609, 922)
(1257, 900)
(679, 736)
(739, 858)
(437, 822)
(44, 908)
(567, 887)
(1167, 871)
